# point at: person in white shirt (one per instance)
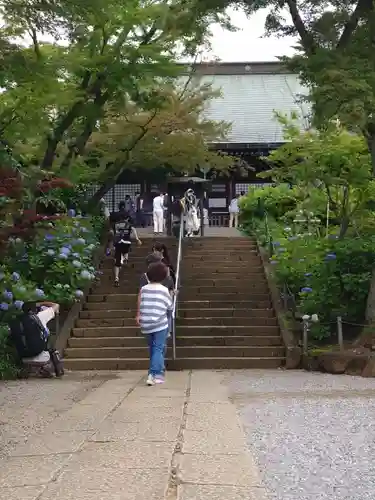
(158, 213)
(234, 210)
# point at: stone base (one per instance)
(358, 361)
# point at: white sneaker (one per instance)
(159, 380)
(150, 380)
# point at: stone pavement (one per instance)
(107, 436)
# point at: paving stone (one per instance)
(23, 493)
(160, 391)
(215, 492)
(109, 484)
(53, 443)
(139, 431)
(214, 442)
(117, 455)
(30, 471)
(79, 418)
(151, 402)
(229, 470)
(137, 413)
(208, 420)
(197, 408)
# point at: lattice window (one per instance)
(121, 190)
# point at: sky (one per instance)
(247, 43)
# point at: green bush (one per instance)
(56, 266)
(329, 277)
(8, 360)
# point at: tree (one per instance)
(174, 134)
(333, 160)
(114, 53)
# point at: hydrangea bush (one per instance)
(327, 276)
(57, 265)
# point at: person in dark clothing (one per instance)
(163, 250)
(154, 258)
(122, 230)
(139, 217)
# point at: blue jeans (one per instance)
(156, 343)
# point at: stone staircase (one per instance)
(225, 317)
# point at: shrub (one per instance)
(55, 266)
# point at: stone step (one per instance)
(182, 352)
(241, 288)
(130, 303)
(230, 321)
(107, 294)
(118, 312)
(225, 313)
(202, 321)
(240, 363)
(78, 342)
(185, 330)
(220, 296)
(220, 258)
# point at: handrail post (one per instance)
(176, 286)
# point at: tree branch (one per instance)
(362, 7)
(307, 39)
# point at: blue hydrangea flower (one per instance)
(273, 262)
(76, 263)
(76, 255)
(306, 289)
(81, 241)
(85, 275)
(50, 252)
(15, 276)
(65, 250)
(63, 256)
(18, 304)
(308, 274)
(4, 306)
(79, 293)
(330, 256)
(84, 230)
(39, 292)
(293, 238)
(7, 295)
(49, 237)
(281, 249)
(71, 212)
(276, 243)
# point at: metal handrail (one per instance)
(176, 286)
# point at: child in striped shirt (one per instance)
(154, 306)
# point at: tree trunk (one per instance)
(57, 134)
(370, 305)
(102, 191)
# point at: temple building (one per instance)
(251, 93)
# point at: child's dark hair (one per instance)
(29, 307)
(157, 272)
(160, 247)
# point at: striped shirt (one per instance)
(155, 305)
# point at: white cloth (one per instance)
(45, 317)
(158, 203)
(158, 216)
(192, 221)
(233, 206)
